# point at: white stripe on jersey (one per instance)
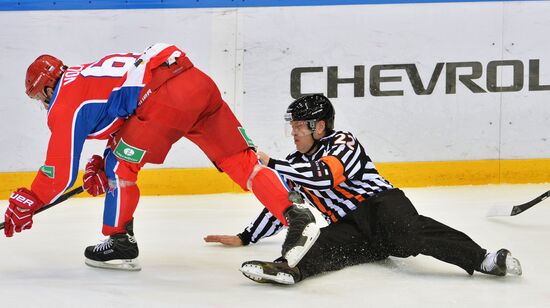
(333, 200)
(262, 225)
(355, 169)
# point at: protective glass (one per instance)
(297, 128)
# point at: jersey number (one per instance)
(345, 139)
(110, 66)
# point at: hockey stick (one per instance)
(517, 209)
(63, 197)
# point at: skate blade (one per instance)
(122, 265)
(256, 273)
(294, 255)
(513, 266)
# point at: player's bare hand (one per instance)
(227, 240)
(264, 157)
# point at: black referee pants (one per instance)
(388, 225)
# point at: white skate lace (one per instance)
(106, 244)
(489, 262)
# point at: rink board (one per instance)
(464, 83)
(406, 174)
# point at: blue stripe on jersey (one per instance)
(89, 114)
(54, 95)
(123, 101)
(97, 116)
(111, 198)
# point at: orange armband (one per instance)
(336, 168)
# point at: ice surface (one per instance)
(44, 267)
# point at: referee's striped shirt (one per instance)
(335, 179)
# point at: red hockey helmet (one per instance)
(43, 72)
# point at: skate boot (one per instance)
(119, 251)
(277, 272)
(302, 230)
(500, 263)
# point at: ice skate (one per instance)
(302, 230)
(119, 251)
(500, 263)
(271, 272)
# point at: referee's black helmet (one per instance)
(312, 108)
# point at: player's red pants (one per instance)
(188, 105)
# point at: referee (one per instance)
(369, 219)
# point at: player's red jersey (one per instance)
(92, 101)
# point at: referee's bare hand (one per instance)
(227, 240)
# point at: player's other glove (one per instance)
(95, 180)
(23, 204)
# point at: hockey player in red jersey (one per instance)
(369, 219)
(142, 104)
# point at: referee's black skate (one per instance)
(302, 232)
(500, 263)
(271, 272)
(119, 251)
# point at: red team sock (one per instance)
(272, 193)
(129, 198)
(267, 186)
(123, 199)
